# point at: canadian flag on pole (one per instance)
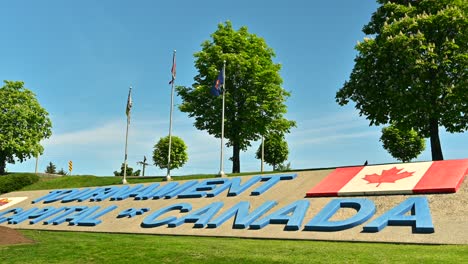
(403, 178)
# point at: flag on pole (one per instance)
(173, 69)
(129, 104)
(216, 89)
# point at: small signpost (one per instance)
(70, 167)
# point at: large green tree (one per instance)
(254, 98)
(413, 68)
(23, 124)
(275, 150)
(179, 154)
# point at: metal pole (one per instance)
(124, 181)
(168, 176)
(221, 165)
(263, 153)
(37, 161)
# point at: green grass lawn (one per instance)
(75, 247)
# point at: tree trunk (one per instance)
(436, 149)
(2, 164)
(235, 158)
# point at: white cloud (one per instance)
(330, 129)
(99, 150)
(105, 134)
(103, 146)
(332, 137)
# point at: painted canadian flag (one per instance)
(7, 202)
(402, 178)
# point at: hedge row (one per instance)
(14, 182)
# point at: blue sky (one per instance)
(80, 57)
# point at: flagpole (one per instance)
(37, 161)
(263, 145)
(124, 181)
(221, 165)
(168, 175)
(263, 153)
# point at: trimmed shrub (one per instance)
(14, 182)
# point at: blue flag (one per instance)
(216, 89)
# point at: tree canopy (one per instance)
(275, 151)
(412, 69)
(129, 171)
(51, 168)
(254, 98)
(403, 145)
(23, 124)
(179, 154)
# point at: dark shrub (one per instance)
(14, 182)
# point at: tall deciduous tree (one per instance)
(413, 68)
(179, 154)
(275, 151)
(403, 145)
(23, 124)
(254, 97)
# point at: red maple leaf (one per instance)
(4, 201)
(389, 176)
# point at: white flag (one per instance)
(129, 104)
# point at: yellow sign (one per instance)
(70, 166)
